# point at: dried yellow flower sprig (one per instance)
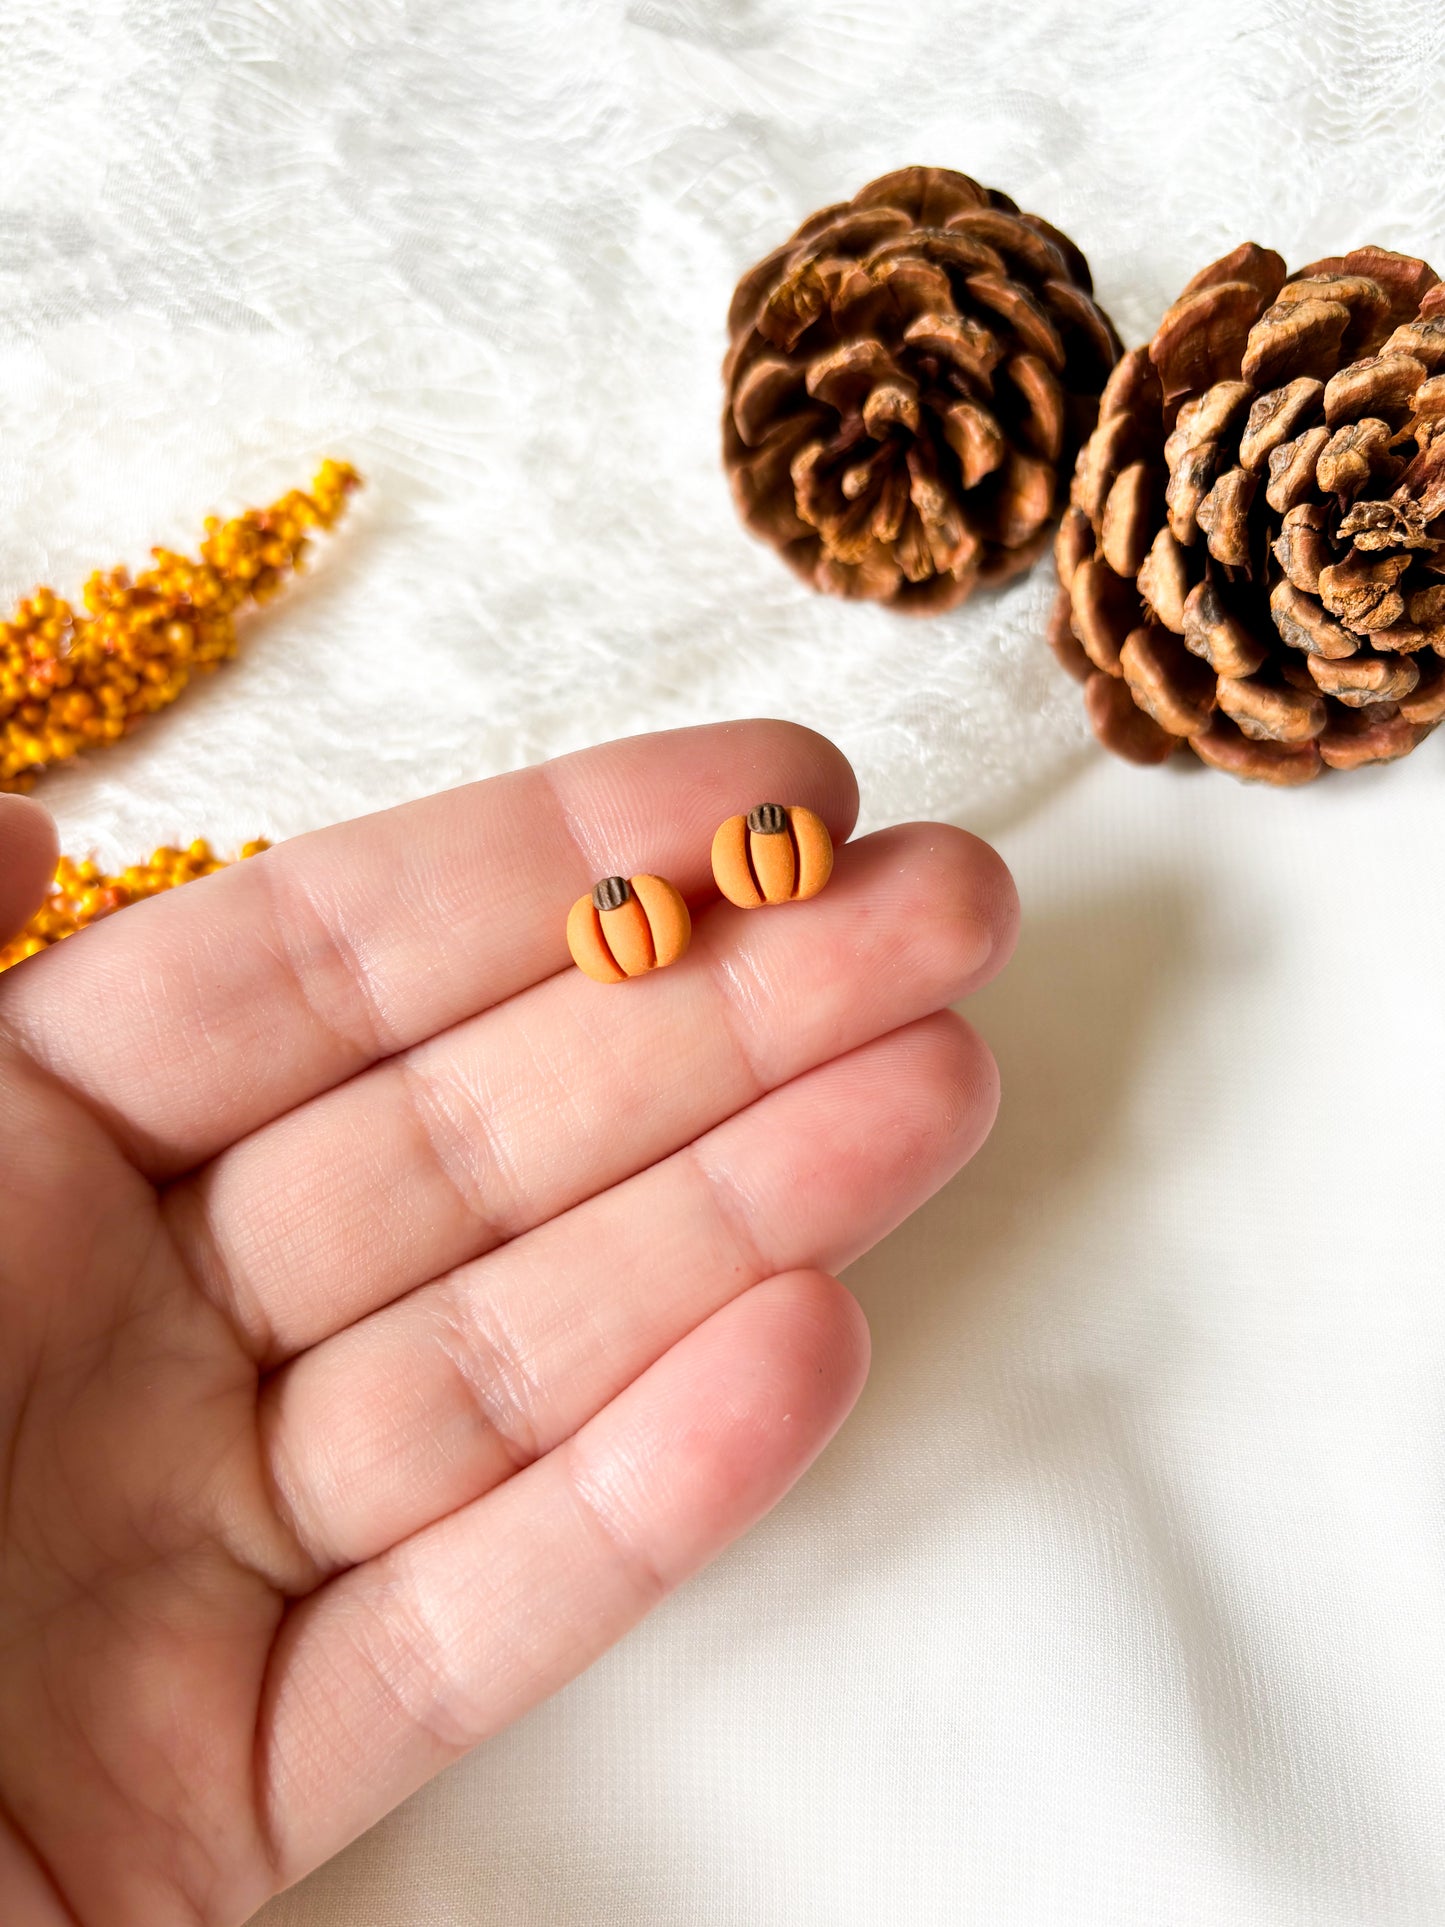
(82, 894)
(71, 681)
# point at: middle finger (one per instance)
(443, 1152)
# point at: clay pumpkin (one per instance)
(774, 854)
(627, 926)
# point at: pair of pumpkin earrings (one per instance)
(626, 926)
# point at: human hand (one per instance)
(390, 1316)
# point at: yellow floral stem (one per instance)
(82, 893)
(73, 680)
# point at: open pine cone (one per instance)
(909, 377)
(1254, 558)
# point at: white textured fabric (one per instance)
(1122, 1598)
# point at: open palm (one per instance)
(389, 1315)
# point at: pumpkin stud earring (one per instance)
(627, 926)
(774, 854)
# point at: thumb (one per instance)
(29, 849)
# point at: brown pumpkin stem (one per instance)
(768, 819)
(611, 893)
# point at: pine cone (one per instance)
(909, 376)
(1254, 558)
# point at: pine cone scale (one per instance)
(1093, 347)
(1202, 335)
(1274, 417)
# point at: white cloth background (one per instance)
(1122, 1597)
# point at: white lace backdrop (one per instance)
(1122, 1598)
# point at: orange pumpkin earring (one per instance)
(627, 926)
(772, 855)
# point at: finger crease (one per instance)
(462, 1164)
(733, 1209)
(498, 1386)
(186, 1213)
(407, 1662)
(640, 1573)
(593, 863)
(312, 1560)
(335, 958)
(738, 1015)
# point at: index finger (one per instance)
(198, 1016)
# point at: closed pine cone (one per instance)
(1254, 558)
(909, 378)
